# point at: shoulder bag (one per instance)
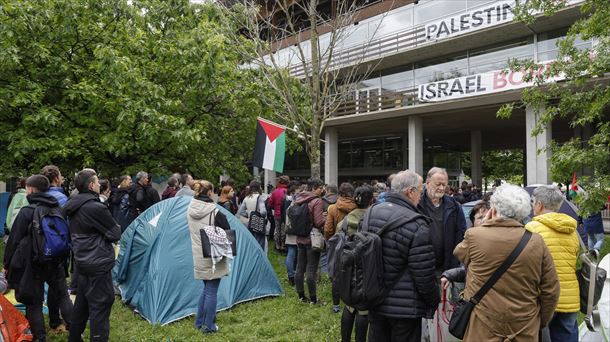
(257, 223)
(206, 246)
(463, 309)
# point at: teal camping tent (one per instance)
(154, 269)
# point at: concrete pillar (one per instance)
(537, 156)
(476, 141)
(331, 156)
(269, 179)
(416, 145)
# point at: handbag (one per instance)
(590, 289)
(205, 240)
(317, 240)
(257, 223)
(463, 309)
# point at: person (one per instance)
(52, 272)
(56, 190)
(594, 227)
(329, 196)
(275, 202)
(363, 198)
(201, 212)
(379, 189)
(448, 221)
(186, 181)
(92, 230)
(226, 194)
(478, 212)
(559, 233)
(105, 192)
(172, 188)
(291, 240)
(336, 212)
(522, 301)
(408, 261)
(382, 195)
(56, 180)
(458, 274)
(250, 203)
(18, 201)
(152, 195)
(307, 258)
(119, 203)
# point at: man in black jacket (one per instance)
(52, 272)
(408, 263)
(142, 195)
(93, 230)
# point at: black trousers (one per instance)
(307, 267)
(382, 328)
(93, 303)
(54, 275)
(347, 324)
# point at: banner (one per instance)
(479, 84)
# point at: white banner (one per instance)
(492, 14)
(479, 84)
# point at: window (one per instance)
(398, 81)
(547, 44)
(496, 57)
(433, 9)
(392, 153)
(441, 69)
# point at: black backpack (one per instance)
(360, 265)
(300, 221)
(334, 246)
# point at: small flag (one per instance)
(573, 188)
(270, 146)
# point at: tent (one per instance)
(154, 268)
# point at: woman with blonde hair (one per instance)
(226, 194)
(203, 213)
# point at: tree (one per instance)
(122, 86)
(306, 101)
(583, 97)
(498, 165)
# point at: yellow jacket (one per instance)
(559, 234)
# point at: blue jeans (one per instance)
(563, 327)
(206, 311)
(291, 260)
(596, 240)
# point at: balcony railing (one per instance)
(376, 102)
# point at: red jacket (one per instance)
(275, 201)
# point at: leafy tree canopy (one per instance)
(584, 97)
(122, 86)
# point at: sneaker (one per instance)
(336, 308)
(317, 302)
(304, 299)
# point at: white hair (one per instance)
(436, 170)
(549, 196)
(405, 180)
(511, 201)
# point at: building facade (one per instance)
(437, 83)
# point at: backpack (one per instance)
(360, 266)
(121, 212)
(334, 246)
(300, 221)
(50, 235)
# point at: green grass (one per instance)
(281, 318)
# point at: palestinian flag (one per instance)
(270, 146)
(573, 187)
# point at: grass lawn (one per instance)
(281, 318)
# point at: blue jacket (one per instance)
(593, 224)
(455, 226)
(58, 193)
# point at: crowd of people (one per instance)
(424, 259)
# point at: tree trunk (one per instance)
(314, 148)
(314, 157)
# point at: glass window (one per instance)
(547, 44)
(396, 20)
(477, 3)
(344, 154)
(392, 153)
(357, 154)
(496, 57)
(373, 156)
(356, 34)
(433, 9)
(453, 160)
(441, 69)
(398, 81)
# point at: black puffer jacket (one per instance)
(408, 254)
(92, 230)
